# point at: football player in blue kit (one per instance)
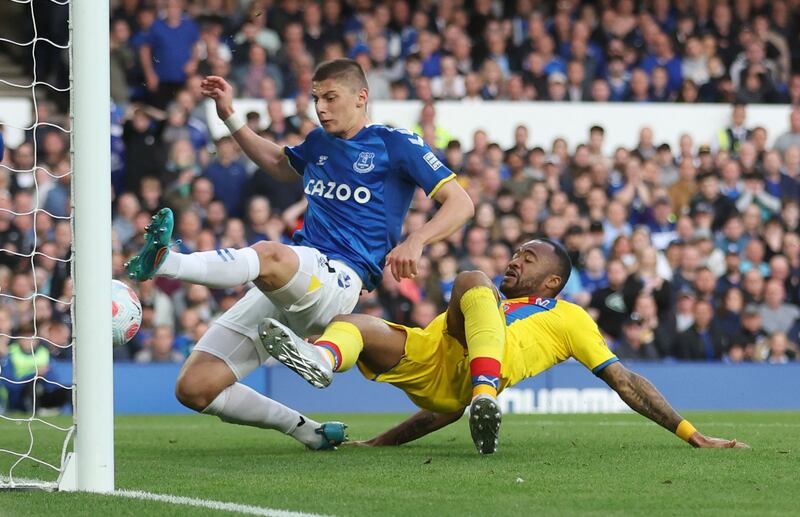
(359, 180)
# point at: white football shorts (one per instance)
(320, 290)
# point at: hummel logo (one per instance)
(416, 140)
(322, 159)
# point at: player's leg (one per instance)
(474, 319)
(208, 384)
(348, 338)
(271, 265)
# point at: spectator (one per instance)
(124, 222)
(121, 61)
(248, 77)
(752, 335)
(777, 183)
(658, 329)
(664, 57)
(647, 279)
(557, 87)
(169, 53)
(684, 309)
(423, 313)
(731, 137)
(450, 84)
(776, 314)
(577, 85)
(792, 137)
(709, 195)
(732, 277)
(145, 151)
(703, 341)
(228, 176)
(683, 190)
(730, 310)
(777, 350)
(753, 58)
(753, 286)
(632, 346)
(160, 348)
(608, 306)
(639, 86)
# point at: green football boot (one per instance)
(157, 237)
(333, 433)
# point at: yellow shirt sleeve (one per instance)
(584, 341)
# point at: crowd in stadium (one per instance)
(690, 253)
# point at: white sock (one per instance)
(220, 268)
(240, 404)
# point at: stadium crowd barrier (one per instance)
(567, 388)
(547, 121)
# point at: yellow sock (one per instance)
(343, 343)
(486, 338)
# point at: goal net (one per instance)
(56, 427)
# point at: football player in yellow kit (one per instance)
(478, 347)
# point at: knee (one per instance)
(273, 257)
(468, 279)
(192, 392)
(345, 318)
(270, 251)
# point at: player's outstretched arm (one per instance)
(419, 425)
(264, 153)
(645, 399)
(455, 210)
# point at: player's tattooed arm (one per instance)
(645, 399)
(641, 395)
(419, 425)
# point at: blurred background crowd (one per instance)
(689, 253)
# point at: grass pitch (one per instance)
(546, 465)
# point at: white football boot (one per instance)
(304, 358)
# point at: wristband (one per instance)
(234, 123)
(685, 430)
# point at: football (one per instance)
(126, 313)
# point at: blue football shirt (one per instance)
(359, 191)
(172, 48)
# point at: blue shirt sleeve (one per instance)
(418, 162)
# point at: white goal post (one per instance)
(91, 465)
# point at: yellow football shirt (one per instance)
(542, 332)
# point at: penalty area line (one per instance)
(210, 504)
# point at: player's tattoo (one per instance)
(422, 424)
(417, 426)
(641, 396)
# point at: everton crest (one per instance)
(365, 163)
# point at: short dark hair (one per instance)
(345, 70)
(564, 262)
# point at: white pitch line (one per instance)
(170, 499)
(213, 505)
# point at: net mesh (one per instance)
(33, 446)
